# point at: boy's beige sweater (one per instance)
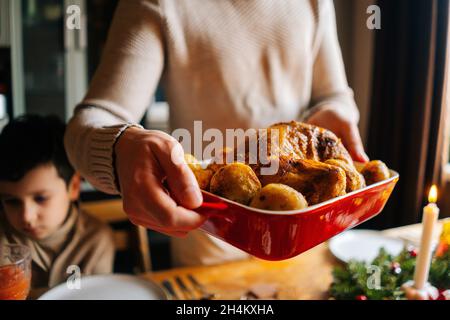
(229, 63)
(82, 241)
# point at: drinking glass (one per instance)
(15, 272)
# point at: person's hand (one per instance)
(344, 128)
(146, 161)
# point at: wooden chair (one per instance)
(133, 238)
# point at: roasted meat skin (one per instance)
(301, 151)
(305, 141)
(355, 180)
(296, 140)
(316, 181)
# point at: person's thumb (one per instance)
(353, 143)
(181, 180)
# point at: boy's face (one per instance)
(37, 205)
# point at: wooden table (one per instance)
(307, 276)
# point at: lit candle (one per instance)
(429, 220)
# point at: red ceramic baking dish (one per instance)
(279, 235)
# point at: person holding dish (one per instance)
(230, 64)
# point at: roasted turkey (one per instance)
(311, 160)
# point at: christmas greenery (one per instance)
(440, 271)
(383, 278)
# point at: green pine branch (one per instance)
(352, 280)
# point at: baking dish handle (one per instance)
(214, 205)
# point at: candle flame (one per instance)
(432, 196)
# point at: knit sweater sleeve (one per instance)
(329, 86)
(120, 92)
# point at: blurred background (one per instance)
(398, 75)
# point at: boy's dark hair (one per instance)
(32, 140)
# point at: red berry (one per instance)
(361, 297)
(413, 253)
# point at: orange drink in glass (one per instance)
(15, 272)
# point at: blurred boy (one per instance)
(39, 190)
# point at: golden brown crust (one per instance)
(301, 150)
(295, 140)
(305, 141)
(311, 160)
(375, 171)
(236, 182)
(317, 181)
(355, 180)
(203, 176)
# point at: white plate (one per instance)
(363, 245)
(108, 287)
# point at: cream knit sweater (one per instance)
(230, 63)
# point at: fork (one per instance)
(168, 286)
(186, 291)
(205, 295)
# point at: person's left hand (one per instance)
(344, 128)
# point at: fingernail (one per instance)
(193, 196)
(364, 156)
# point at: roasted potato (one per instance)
(278, 197)
(203, 176)
(375, 171)
(192, 161)
(220, 161)
(236, 182)
(355, 180)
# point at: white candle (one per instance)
(429, 220)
